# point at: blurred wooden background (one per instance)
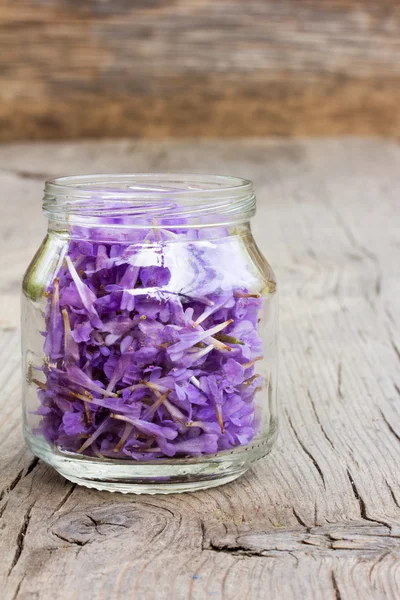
(158, 68)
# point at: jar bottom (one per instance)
(169, 477)
(143, 486)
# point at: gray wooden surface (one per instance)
(320, 517)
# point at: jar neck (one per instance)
(148, 202)
(106, 233)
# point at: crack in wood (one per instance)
(306, 451)
(339, 381)
(3, 508)
(293, 555)
(361, 502)
(15, 596)
(392, 493)
(203, 534)
(15, 481)
(33, 464)
(299, 519)
(395, 348)
(8, 489)
(378, 284)
(377, 562)
(21, 538)
(335, 586)
(389, 426)
(65, 499)
(361, 540)
(97, 523)
(318, 419)
(18, 477)
(237, 550)
(304, 546)
(70, 540)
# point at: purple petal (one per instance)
(86, 295)
(155, 276)
(203, 444)
(74, 423)
(234, 371)
(82, 331)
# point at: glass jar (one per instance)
(149, 325)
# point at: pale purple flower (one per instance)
(139, 368)
(74, 423)
(53, 340)
(234, 371)
(203, 444)
(82, 331)
(87, 297)
(154, 276)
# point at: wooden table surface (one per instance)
(320, 517)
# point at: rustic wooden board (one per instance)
(158, 68)
(320, 517)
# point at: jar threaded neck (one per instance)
(141, 199)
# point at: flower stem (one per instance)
(156, 405)
(252, 362)
(218, 412)
(228, 339)
(95, 435)
(245, 295)
(40, 384)
(124, 437)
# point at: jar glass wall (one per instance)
(149, 326)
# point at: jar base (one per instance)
(135, 487)
(131, 477)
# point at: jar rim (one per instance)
(156, 195)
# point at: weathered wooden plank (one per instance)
(210, 68)
(320, 517)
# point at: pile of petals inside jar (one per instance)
(142, 363)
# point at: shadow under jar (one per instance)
(149, 324)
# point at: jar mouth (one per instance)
(149, 196)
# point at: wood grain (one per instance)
(205, 68)
(320, 517)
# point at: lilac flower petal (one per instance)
(130, 277)
(71, 350)
(74, 423)
(234, 371)
(120, 369)
(125, 344)
(189, 339)
(52, 344)
(99, 431)
(82, 331)
(86, 295)
(76, 375)
(149, 428)
(118, 325)
(155, 276)
(203, 444)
